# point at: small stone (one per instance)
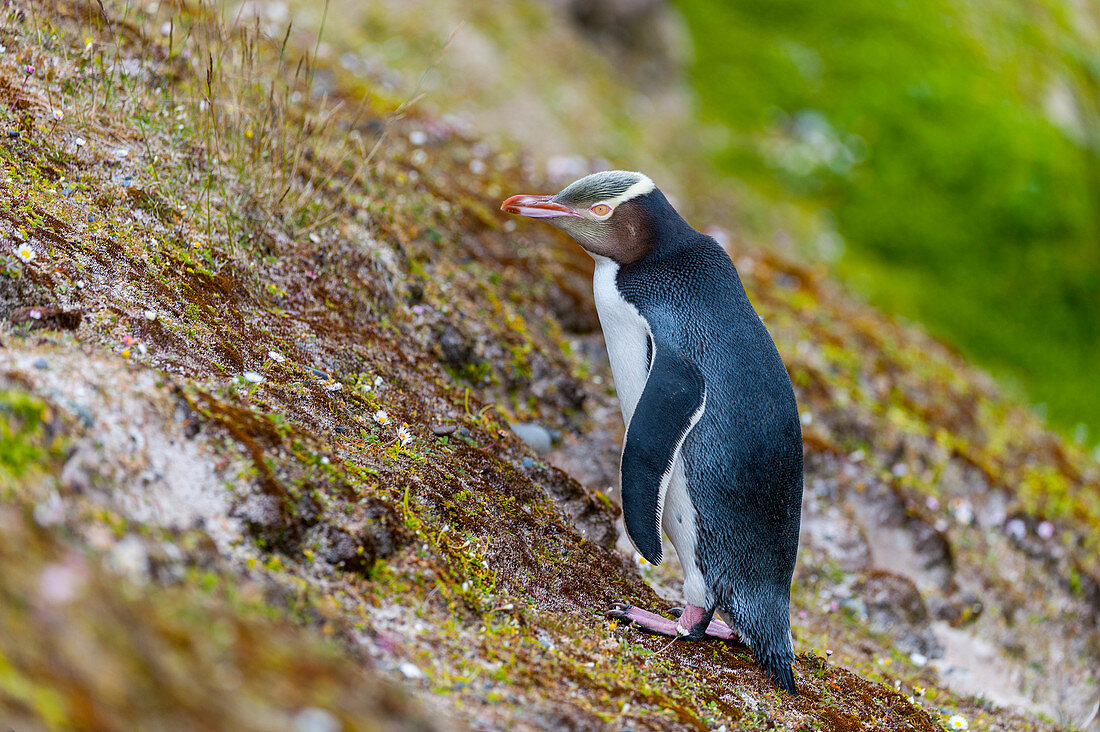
(442, 430)
(410, 670)
(41, 364)
(13, 134)
(60, 582)
(535, 436)
(315, 719)
(1016, 529)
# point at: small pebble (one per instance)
(410, 670)
(537, 437)
(41, 364)
(315, 719)
(442, 430)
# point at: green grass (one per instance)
(921, 133)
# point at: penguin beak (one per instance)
(536, 207)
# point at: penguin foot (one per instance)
(653, 623)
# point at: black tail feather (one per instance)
(769, 637)
(783, 675)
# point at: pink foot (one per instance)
(654, 623)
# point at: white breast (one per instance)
(626, 333)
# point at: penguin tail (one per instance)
(783, 675)
(769, 634)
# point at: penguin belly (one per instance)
(679, 523)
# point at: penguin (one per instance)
(713, 447)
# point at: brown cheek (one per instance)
(634, 236)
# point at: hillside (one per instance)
(265, 337)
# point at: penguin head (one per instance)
(616, 213)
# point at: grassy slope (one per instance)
(958, 162)
(197, 198)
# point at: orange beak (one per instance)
(536, 207)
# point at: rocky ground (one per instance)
(267, 348)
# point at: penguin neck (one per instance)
(652, 225)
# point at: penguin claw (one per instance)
(644, 620)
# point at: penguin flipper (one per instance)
(670, 405)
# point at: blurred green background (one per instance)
(950, 154)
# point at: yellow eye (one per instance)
(601, 209)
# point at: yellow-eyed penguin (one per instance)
(713, 447)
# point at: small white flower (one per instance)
(418, 157)
(381, 417)
(918, 659)
(25, 253)
(276, 356)
(334, 386)
(150, 315)
(418, 137)
(378, 381)
(58, 115)
(640, 560)
(80, 142)
(404, 435)
(958, 721)
(252, 377)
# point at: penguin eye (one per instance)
(600, 209)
